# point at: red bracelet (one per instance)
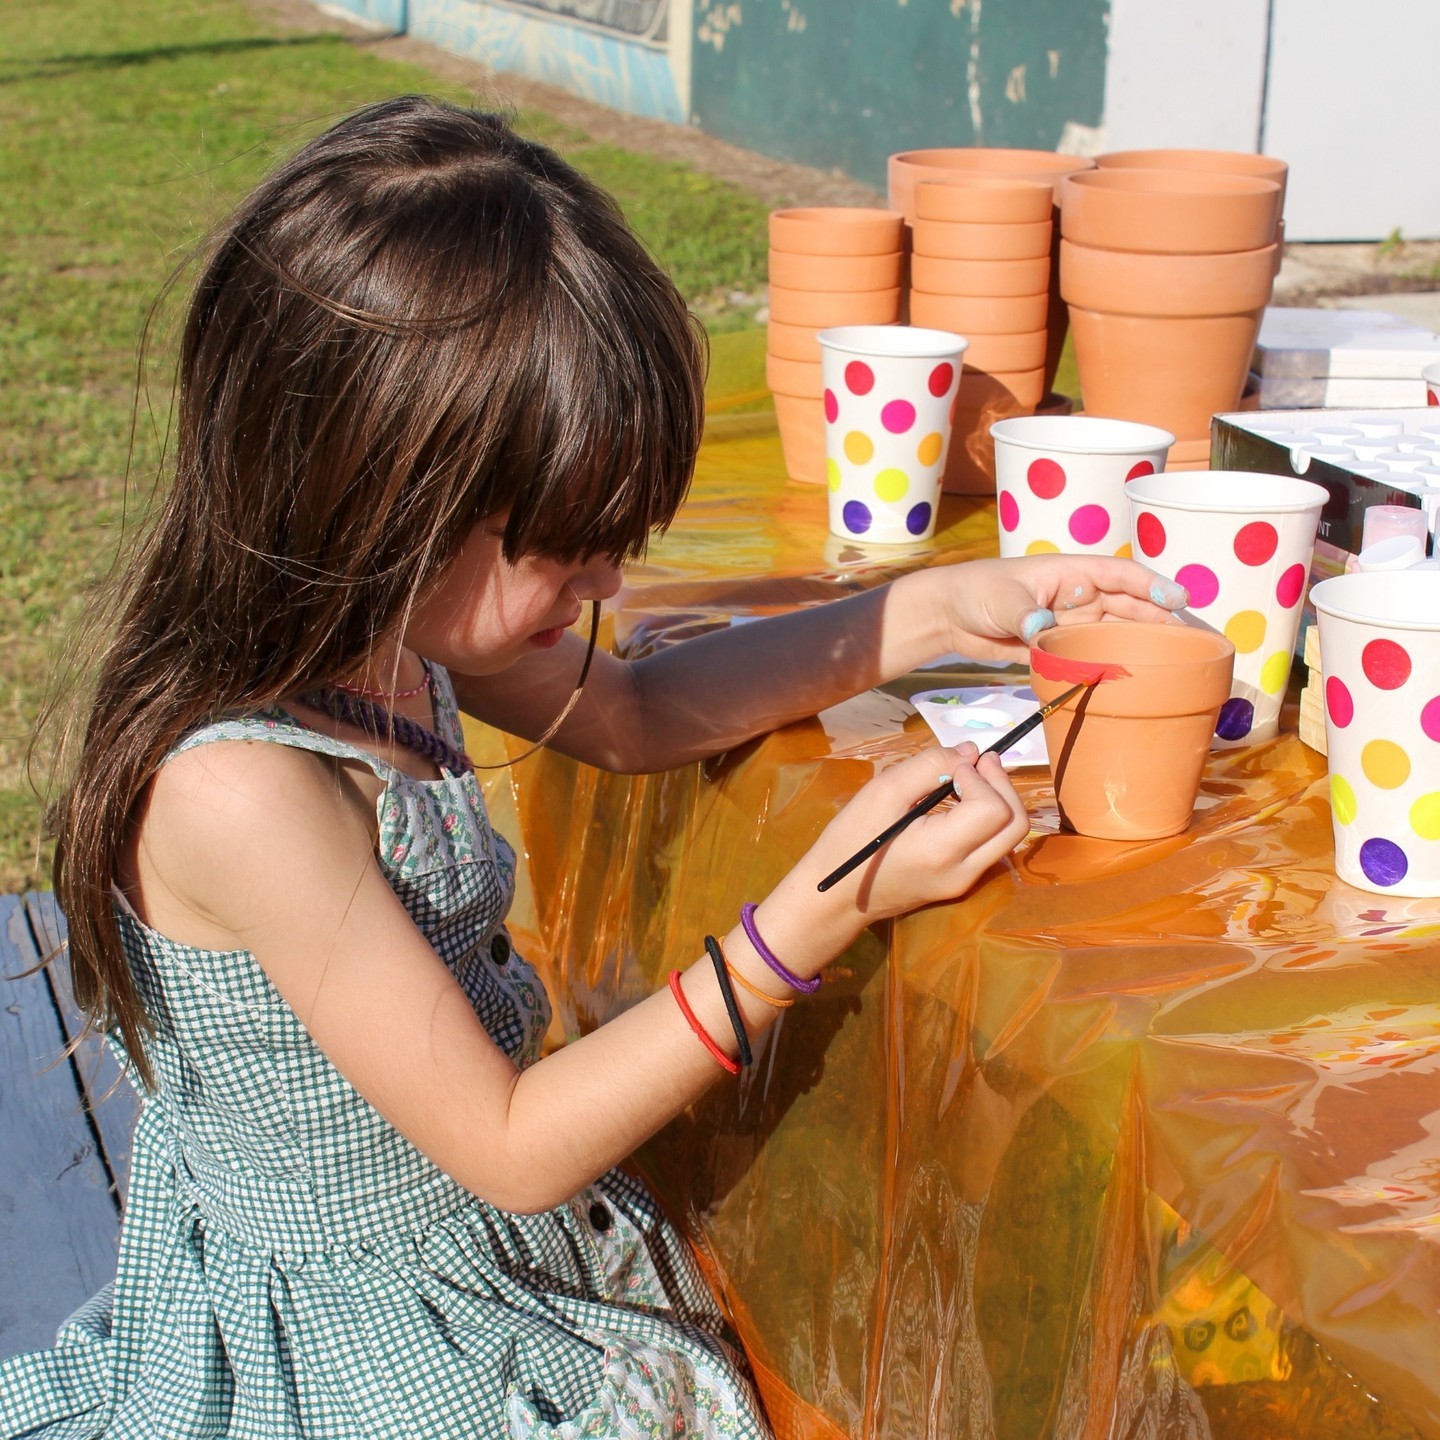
(721, 1057)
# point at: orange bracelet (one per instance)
(721, 1058)
(755, 990)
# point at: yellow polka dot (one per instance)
(1385, 764)
(1041, 547)
(1342, 799)
(892, 484)
(1245, 630)
(859, 447)
(930, 447)
(1275, 672)
(832, 474)
(1425, 816)
(1125, 552)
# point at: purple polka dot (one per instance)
(918, 519)
(1383, 862)
(1010, 518)
(1430, 719)
(1236, 717)
(857, 517)
(1202, 583)
(1089, 524)
(898, 416)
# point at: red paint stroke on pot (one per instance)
(1076, 672)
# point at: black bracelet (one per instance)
(737, 1022)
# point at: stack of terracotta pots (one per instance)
(828, 266)
(981, 267)
(1167, 272)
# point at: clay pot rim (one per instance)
(1330, 598)
(906, 342)
(1038, 162)
(1156, 437)
(1228, 490)
(1204, 647)
(837, 230)
(1142, 180)
(1244, 162)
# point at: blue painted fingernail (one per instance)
(1034, 623)
(1168, 594)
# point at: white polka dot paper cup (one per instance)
(889, 391)
(1060, 481)
(1241, 544)
(1380, 657)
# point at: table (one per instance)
(1134, 1139)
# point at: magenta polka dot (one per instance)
(1386, 664)
(832, 407)
(1255, 543)
(1430, 719)
(1010, 517)
(1089, 524)
(1046, 477)
(859, 378)
(1291, 586)
(1139, 468)
(898, 416)
(1202, 583)
(1150, 533)
(940, 379)
(1338, 702)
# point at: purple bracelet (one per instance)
(747, 922)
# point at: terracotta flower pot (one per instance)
(794, 377)
(1225, 162)
(1174, 372)
(953, 240)
(837, 273)
(973, 315)
(1123, 283)
(1173, 212)
(975, 198)
(983, 398)
(837, 230)
(1007, 352)
(910, 167)
(979, 277)
(823, 308)
(802, 437)
(1128, 754)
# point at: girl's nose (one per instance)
(599, 579)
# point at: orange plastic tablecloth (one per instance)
(1134, 1139)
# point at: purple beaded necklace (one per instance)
(375, 720)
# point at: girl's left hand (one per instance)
(997, 607)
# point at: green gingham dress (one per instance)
(291, 1266)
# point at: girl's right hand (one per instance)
(937, 857)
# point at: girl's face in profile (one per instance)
(487, 612)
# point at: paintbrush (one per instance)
(1086, 675)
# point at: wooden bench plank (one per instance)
(109, 1096)
(59, 1222)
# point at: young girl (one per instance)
(433, 392)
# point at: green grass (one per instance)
(128, 131)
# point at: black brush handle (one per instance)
(927, 803)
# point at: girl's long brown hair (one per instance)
(418, 321)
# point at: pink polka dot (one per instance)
(859, 378)
(1338, 702)
(832, 407)
(898, 416)
(1430, 719)
(1202, 583)
(1255, 543)
(1139, 468)
(1089, 524)
(1046, 477)
(1291, 586)
(940, 378)
(1010, 514)
(1386, 664)
(1150, 533)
